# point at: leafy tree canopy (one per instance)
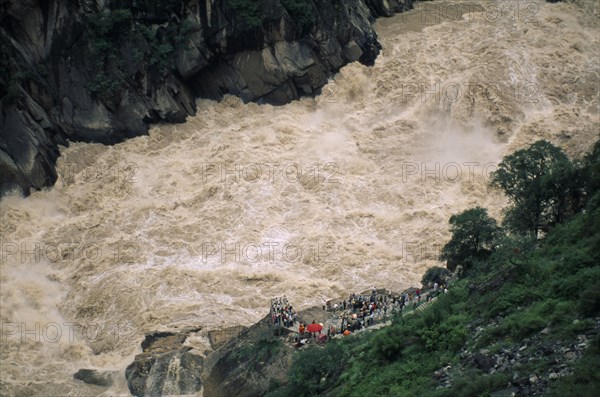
(543, 185)
(473, 236)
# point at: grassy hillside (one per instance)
(523, 319)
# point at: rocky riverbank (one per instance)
(238, 361)
(103, 71)
(248, 361)
(235, 361)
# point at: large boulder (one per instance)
(96, 377)
(166, 366)
(247, 365)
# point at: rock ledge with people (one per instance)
(243, 361)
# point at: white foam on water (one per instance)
(357, 186)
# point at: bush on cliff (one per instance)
(301, 12)
(434, 275)
(107, 32)
(246, 12)
(152, 45)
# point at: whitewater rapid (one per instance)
(202, 223)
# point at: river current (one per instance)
(202, 223)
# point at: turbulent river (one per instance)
(202, 223)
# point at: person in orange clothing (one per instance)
(301, 328)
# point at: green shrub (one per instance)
(261, 351)
(514, 327)
(585, 381)
(107, 31)
(314, 364)
(449, 335)
(301, 12)
(589, 301)
(476, 384)
(511, 296)
(435, 274)
(388, 344)
(247, 12)
(570, 286)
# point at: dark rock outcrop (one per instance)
(238, 361)
(483, 362)
(166, 366)
(96, 377)
(103, 71)
(246, 365)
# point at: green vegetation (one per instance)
(518, 290)
(144, 38)
(248, 12)
(107, 32)
(302, 14)
(15, 70)
(167, 7)
(543, 185)
(434, 275)
(473, 238)
(9, 77)
(110, 31)
(163, 43)
(586, 377)
(254, 355)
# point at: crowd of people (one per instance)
(355, 313)
(361, 311)
(282, 313)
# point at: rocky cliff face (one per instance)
(236, 361)
(103, 70)
(166, 366)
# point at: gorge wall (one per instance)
(103, 70)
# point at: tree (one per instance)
(564, 189)
(542, 184)
(434, 275)
(591, 171)
(473, 235)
